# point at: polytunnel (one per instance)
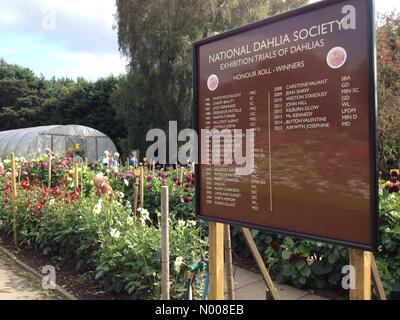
(32, 142)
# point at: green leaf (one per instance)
(286, 254)
(288, 270)
(305, 272)
(332, 258)
(300, 264)
(321, 269)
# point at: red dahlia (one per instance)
(295, 257)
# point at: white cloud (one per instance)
(62, 38)
(91, 65)
(87, 9)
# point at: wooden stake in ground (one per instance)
(76, 177)
(272, 292)
(14, 198)
(216, 261)
(230, 284)
(49, 173)
(165, 294)
(361, 261)
(135, 200)
(20, 172)
(141, 187)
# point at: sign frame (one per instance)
(372, 112)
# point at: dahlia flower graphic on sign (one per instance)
(212, 82)
(336, 57)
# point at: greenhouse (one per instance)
(32, 142)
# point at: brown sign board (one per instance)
(302, 84)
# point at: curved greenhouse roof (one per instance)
(32, 142)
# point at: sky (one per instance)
(70, 38)
(62, 38)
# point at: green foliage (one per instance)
(308, 264)
(388, 46)
(27, 100)
(101, 236)
(388, 260)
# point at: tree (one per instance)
(27, 101)
(157, 37)
(388, 58)
(21, 95)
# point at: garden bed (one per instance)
(99, 247)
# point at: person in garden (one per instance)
(105, 160)
(133, 161)
(77, 157)
(102, 188)
(393, 185)
(115, 161)
(48, 152)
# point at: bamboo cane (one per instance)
(165, 289)
(135, 201)
(49, 173)
(141, 187)
(229, 263)
(14, 198)
(76, 177)
(181, 174)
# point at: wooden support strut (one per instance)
(216, 261)
(366, 274)
(272, 292)
(361, 261)
(376, 279)
(230, 284)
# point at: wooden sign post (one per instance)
(216, 260)
(361, 261)
(230, 284)
(14, 198)
(165, 294)
(366, 274)
(376, 279)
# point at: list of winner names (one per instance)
(286, 108)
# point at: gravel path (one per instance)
(17, 284)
